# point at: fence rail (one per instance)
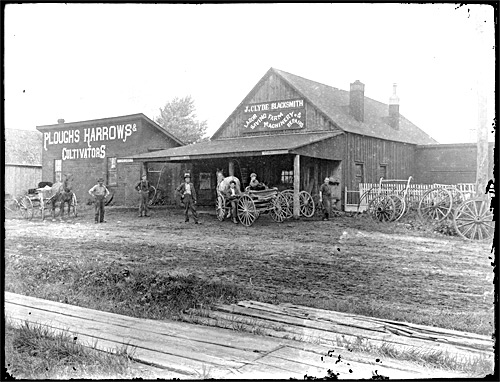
(362, 197)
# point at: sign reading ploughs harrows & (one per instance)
(276, 115)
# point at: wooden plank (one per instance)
(177, 365)
(261, 371)
(471, 339)
(375, 334)
(217, 336)
(182, 350)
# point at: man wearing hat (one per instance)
(325, 195)
(254, 183)
(99, 192)
(188, 197)
(143, 188)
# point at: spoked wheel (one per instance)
(365, 199)
(400, 205)
(382, 208)
(247, 212)
(473, 219)
(152, 195)
(26, 208)
(279, 208)
(288, 195)
(435, 204)
(306, 204)
(220, 208)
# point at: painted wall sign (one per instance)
(276, 115)
(89, 136)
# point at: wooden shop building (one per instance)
(91, 149)
(293, 132)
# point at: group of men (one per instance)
(187, 194)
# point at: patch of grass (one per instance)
(137, 291)
(472, 366)
(37, 352)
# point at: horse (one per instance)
(61, 194)
(223, 185)
(223, 182)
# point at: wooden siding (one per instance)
(449, 164)
(18, 179)
(275, 89)
(371, 152)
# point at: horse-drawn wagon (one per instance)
(251, 203)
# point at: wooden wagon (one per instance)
(251, 204)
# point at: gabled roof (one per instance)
(333, 103)
(23, 147)
(104, 121)
(241, 146)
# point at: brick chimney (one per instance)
(60, 121)
(357, 100)
(394, 109)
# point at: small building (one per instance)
(293, 132)
(90, 149)
(23, 161)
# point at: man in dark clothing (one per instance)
(143, 187)
(325, 194)
(188, 197)
(232, 195)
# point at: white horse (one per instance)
(223, 185)
(223, 182)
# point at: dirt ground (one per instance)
(347, 264)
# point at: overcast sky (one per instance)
(88, 61)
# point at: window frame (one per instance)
(57, 170)
(112, 171)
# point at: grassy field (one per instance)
(160, 267)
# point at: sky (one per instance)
(81, 62)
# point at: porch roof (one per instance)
(242, 146)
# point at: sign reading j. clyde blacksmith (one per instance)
(275, 115)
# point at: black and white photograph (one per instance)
(296, 191)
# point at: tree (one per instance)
(178, 117)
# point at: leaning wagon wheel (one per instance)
(382, 208)
(365, 199)
(306, 204)
(473, 219)
(400, 206)
(220, 207)
(247, 213)
(279, 208)
(288, 195)
(26, 208)
(435, 204)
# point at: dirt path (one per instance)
(345, 264)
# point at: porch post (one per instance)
(296, 186)
(231, 168)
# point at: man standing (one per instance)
(99, 192)
(188, 197)
(143, 187)
(325, 194)
(232, 195)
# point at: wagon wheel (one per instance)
(400, 205)
(306, 204)
(435, 204)
(382, 208)
(220, 207)
(279, 209)
(73, 206)
(365, 199)
(457, 196)
(26, 208)
(473, 220)
(247, 212)
(288, 195)
(153, 195)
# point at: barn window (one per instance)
(112, 177)
(58, 170)
(382, 171)
(359, 174)
(287, 177)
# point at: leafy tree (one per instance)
(179, 118)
